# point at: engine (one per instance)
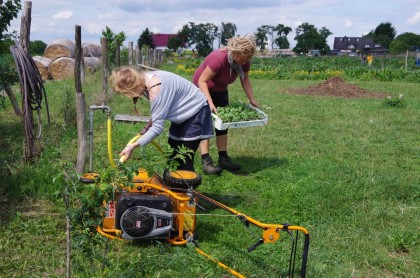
(141, 216)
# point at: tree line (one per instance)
(203, 35)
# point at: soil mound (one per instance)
(336, 87)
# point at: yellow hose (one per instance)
(111, 158)
(134, 139)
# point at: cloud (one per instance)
(414, 19)
(63, 15)
(297, 23)
(348, 23)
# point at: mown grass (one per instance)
(345, 169)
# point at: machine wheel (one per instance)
(89, 177)
(182, 179)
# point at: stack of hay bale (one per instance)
(58, 60)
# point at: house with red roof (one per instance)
(161, 40)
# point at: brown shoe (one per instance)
(209, 168)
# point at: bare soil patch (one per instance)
(336, 87)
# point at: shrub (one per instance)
(395, 101)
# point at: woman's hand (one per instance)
(128, 150)
(213, 108)
(254, 103)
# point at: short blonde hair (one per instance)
(245, 45)
(127, 81)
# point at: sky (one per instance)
(56, 19)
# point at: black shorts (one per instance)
(220, 99)
(198, 127)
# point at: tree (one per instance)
(404, 42)
(281, 38)
(8, 11)
(308, 37)
(278, 36)
(146, 39)
(270, 32)
(114, 41)
(180, 40)
(227, 31)
(201, 35)
(175, 42)
(261, 37)
(383, 34)
(398, 47)
(8, 76)
(37, 47)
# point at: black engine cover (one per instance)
(149, 211)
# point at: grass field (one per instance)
(348, 170)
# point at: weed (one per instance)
(398, 102)
(404, 241)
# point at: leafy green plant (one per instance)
(2, 102)
(237, 112)
(395, 101)
(404, 241)
(85, 200)
(87, 210)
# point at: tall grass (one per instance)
(348, 170)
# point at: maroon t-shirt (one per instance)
(217, 61)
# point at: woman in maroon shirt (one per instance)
(219, 69)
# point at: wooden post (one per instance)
(13, 100)
(117, 54)
(105, 69)
(130, 53)
(80, 104)
(145, 57)
(137, 54)
(25, 30)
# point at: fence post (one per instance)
(25, 30)
(137, 54)
(117, 54)
(130, 53)
(80, 104)
(105, 69)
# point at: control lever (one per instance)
(255, 245)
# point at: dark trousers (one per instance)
(189, 159)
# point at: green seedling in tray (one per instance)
(237, 112)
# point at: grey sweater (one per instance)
(177, 101)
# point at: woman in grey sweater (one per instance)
(172, 98)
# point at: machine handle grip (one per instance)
(255, 245)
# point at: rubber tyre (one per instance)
(89, 177)
(182, 179)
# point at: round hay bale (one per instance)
(43, 64)
(62, 68)
(60, 48)
(91, 50)
(92, 64)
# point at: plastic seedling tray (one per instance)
(220, 125)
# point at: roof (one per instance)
(161, 40)
(353, 43)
